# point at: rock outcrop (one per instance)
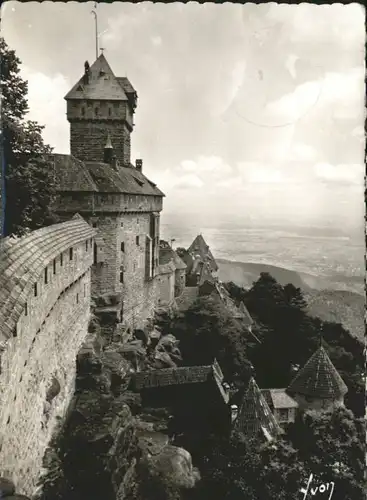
(7, 491)
(109, 448)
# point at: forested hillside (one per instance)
(330, 444)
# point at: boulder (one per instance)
(163, 360)
(176, 464)
(6, 487)
(53, 389)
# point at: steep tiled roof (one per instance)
(246, 315)
(74, 175)
(278, 398)
(71, 174)
(172, 376)
(167, 254)
(255, 417)
(199, 246)
(126, 85)
(181, 376)
(22, 261)
(187, 259)
(168, 268)
(318, 378)
(102, 84)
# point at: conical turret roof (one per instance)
(318, 379)
(101, 84)
(255, 417)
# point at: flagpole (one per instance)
(96, 25)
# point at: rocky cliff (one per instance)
(109, 447)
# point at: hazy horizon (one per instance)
(252, 112)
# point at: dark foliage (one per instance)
(289, 336)
(29, 180)
(329, 445)
(207, 331)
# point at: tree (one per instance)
(237, 293)
(29, 180)
(242, 468)
(332, 446)
(207, 331)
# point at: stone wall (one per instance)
(166, 288)
(88, 139)
(180, 279)
(119, 220)
(121, 265)
(38, 365)
(317, 404)
(139, 292)
(100, 203)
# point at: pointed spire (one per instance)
(318, 379)
(255, 417)
(108, 142)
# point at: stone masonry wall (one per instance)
(121, 249)
(88, 139)
(38, 366)
(105, 275)
(180, 279)
(100, 203)
(139, 294)
(166, 287)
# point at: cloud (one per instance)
(189, 181)
(293, 106)
(349, 173)
(47, 106)
(256, 173)
(302, 152)
(156, 40)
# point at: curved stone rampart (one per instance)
(44, 313)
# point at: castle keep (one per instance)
(98, 181)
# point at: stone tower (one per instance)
(318, 385)
(101, 103)
(99, 182)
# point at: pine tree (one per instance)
(28, 179)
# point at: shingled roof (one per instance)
(255, 417)
(77, 176)
(102, 84)
(172, 376)
(22, 261)
(167, 254)
(318, 379)
(199, 246)
(246, 315)
(278, 398)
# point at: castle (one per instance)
(99, 182)
(108, 250)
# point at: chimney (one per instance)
(86, 73)
(114, 162)
(108, 151)
(139, 165)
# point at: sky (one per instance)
(245, 112)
